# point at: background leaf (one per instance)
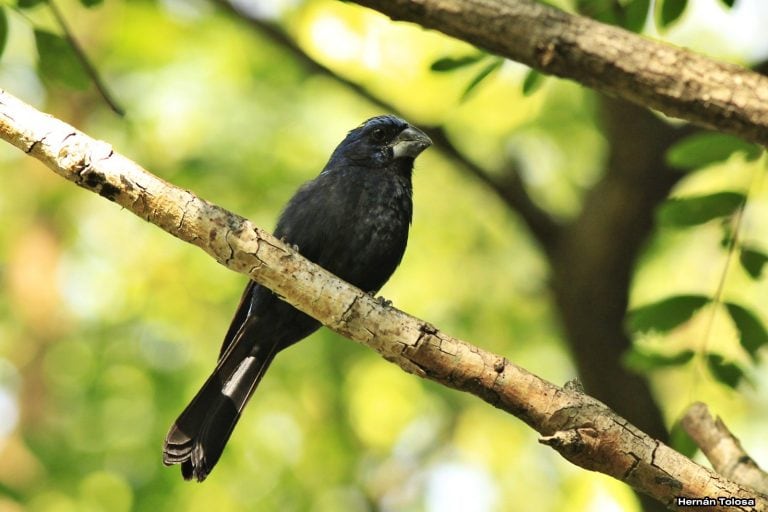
(704, 149)
(690, 211)
(605, 11)
(681, 441)
(635, 14)
(729, 374)
(728, 3)
(91, 3)
(3, 29)
(752, 261)
(643, 361)
(446, 64)
(665, 315)
(532, 82)
(752, 333)
(26, 4)
(671, 10)
(58, 61)
(482, 75)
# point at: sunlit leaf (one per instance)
(58, 61)
(452, 63)
(3, 29)
(707, 148)
(665, 315)
(752, 333)
(690, 211)
(671, 10)
(635, 13)
(482, 75)
(681, 441)
(532, 82)
(753, 261)
(643, 361)
(729, 374)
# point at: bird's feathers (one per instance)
(353, 220)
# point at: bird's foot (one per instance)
(574, 385)
(289, 244)
(381, 300)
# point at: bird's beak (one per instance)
(410, 142)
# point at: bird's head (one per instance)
(380, 142)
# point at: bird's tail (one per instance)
(200, 433)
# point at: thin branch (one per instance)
(653, 74)
(510, 189)
(722, 448)
(89, 68)
(580, 428)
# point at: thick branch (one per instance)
(582, 429)
(510, 189)
(675, 81)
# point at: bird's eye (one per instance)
(378, 135)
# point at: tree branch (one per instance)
(510, 189)
(722, 448)
(653, 74)
(579, 427)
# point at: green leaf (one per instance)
(752, 333)
(681, 441)
(728, 3)
(671, 10)
(532, 82)
(482, 75)
(635, 13)
(91, 3)
(26, 4)
(729, 374)
(665, 315)
(643, 361)
(606, 11)
(3, 29)
(753, 261)
(450, 63)
(690, 211)
(58, 61)
(707, 148)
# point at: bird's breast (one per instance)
(378, 233)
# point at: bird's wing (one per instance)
(241, 314)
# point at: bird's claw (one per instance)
(574, 385)
(289, 244)
(381, 300)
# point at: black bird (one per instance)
(353, 220)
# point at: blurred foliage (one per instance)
(702, 149)
(108, 325)
(691, 211)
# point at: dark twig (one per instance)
(510, 190)
(89, 68)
